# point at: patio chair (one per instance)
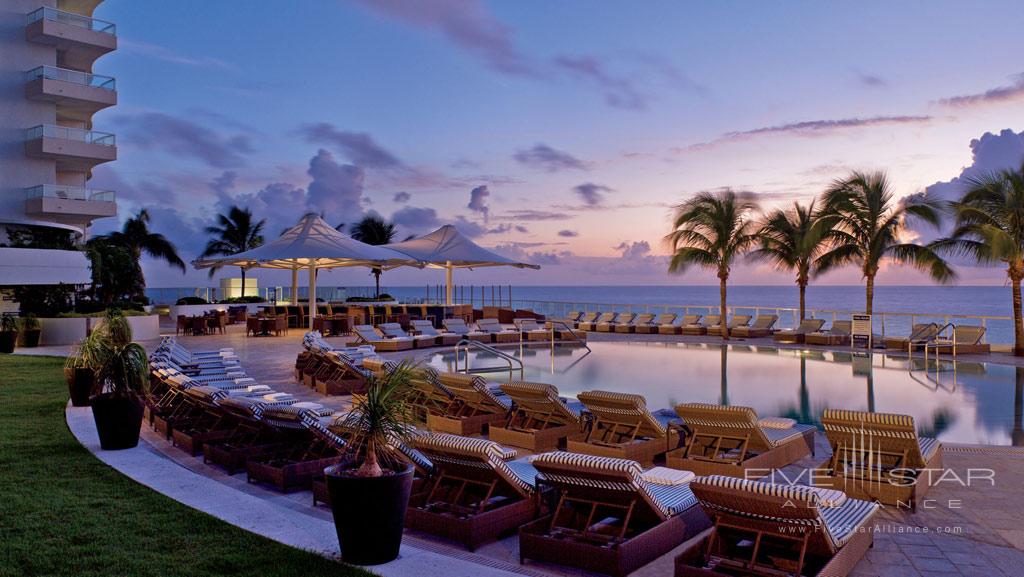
(602, 319)
(965, 340)
(795, 530)
(586, 320)
(476, 408)
(338, 376)
(540, 420)
(622, 427)
(797, 335)
(530, 330)
(572, 318)
(731, 440)
(395, 331)
(202, 422)
(473, 495)
(609, 326)
(459, 327)
(921, 334)
(250, 437)
(499, 334)
(735, 322)
(372, 336)
(653, 326)
(632, 325)
(700, 326)
(837, 335)
(611, 517)
(762, 327)
(425, 327)
(311, 448)
(877, 456)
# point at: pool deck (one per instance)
(990, 538)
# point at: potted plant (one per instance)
(370, 494)
(80, 378)
(8, 332)
(30, 331)
(121, 371)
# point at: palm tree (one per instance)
(376, 231)
(137, 238)
(712, 231)
(990, 228)
(792, 240)
(868, 226)
(236, 232)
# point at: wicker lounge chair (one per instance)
(250, 437)
(311, 448)
(733, 441)
(395, 331)
(652, 326)
(338, 376)
(837, 335)
(605, 318)
(572, 318)
(698, 328)
(540, 420)
(797, 530)
(622, 427)
(459, 327)
(532, 331)
(920, 335)
(762, 327)
(806, 327)
(425, 327)
(735, 322)
(875, 456)
(475, 409)
(587, 321)
(499, 334)
(610, 326)
(610, 518)
(202, 421)
(965, 340)
(473, 495)
(372, 336)
(632, 325)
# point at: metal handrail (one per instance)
(466, 343)
(72, 76)
(575, 337)
(78, 20)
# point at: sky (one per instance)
(558, 132)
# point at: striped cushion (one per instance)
(458, 384)
(779, 437)
(844, 521)
(776, 423)
(442, 449)
(929, 446)
(794, 493)
(623, 405)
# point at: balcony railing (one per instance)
(73, 19)
(67, 133)
(70, 193)
(71, 76)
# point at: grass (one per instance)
(63, 512)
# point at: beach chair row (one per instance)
(422, 334)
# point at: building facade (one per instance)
(48, 145)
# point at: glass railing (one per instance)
(72, 76)
(70, 193)
(72, 19)
(67, 133)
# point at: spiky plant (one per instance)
(121, 366)
(380, 418)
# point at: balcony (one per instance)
(81, 39)
(54, 200)
(74, 149)
(78, 95)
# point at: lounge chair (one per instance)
(499, 334)
(540, 420)
(425, 327)
(572, 318)
(781, 530)
(338, 376)
(762, 327)
(611, 517)
(632, 325)
(475, 409)
(837, 335)
(203, 421)
(531, 330)
(920, 335)
(459, 327)
(797, 335)
(587, 321)
(652, 327)
(395, 331)
(965, 340)
(735, 322)
(621, 318)
(605, 319)
(250, 437)
(473, 495)
(877, 456)
(733, 441)
(622, 427)
(372, 336)
(698, 328)
(309, 449)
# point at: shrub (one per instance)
(191, 301)
(242, 300)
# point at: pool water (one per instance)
(957, 402)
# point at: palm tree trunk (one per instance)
(376, 274)
(722, 320)
(803, 293)
(1018, 329)
(870, 278)
(242, 268)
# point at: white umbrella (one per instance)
(311, 244)
(449, 249)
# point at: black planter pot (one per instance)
(80, 382)
(118, 421)
(369, 513)
(7, 341)
(30, 337)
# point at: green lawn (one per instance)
(63, 512)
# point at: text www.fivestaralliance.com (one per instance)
(890, 529)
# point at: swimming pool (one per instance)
(962, 402)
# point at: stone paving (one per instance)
(963, 531)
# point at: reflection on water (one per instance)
(961, 402)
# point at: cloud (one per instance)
(465, 23)
(518, 251)
(478, 201)
(358, 147)
(533, 215)
(871, 80)
(591, 193)
(336, 189)
(543, 157)
(618, 92)
(568, 233)
(522, 229)
(994, 96)
(416, 220)
(180, 137)
(401, 197)
(156, 52)
(223, 183)
(635, 250)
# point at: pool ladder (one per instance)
(565, 325)
(511, 361)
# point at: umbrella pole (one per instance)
(312, 294)
(448, 283)
(295, 286)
